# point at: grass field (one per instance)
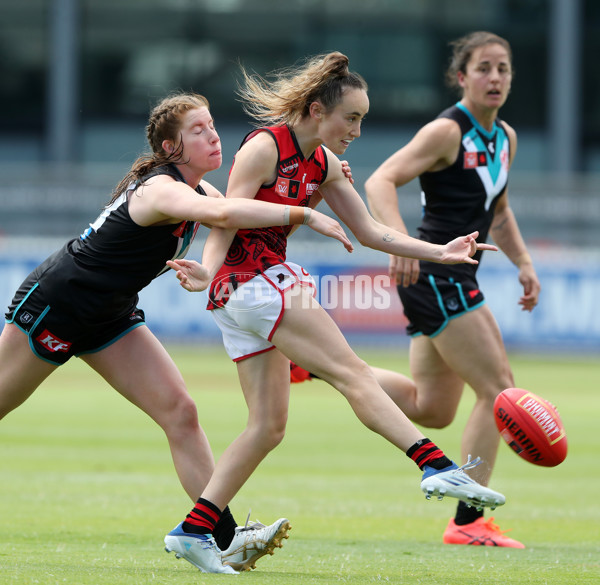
(88, 489)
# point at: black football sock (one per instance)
(466, 514)
(224, 530)
(424, 452)
(202, 519)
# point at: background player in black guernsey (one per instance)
(82, 300)
(462, 160)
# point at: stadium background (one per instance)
(79, 77)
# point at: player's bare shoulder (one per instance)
(444, 129)
(145, 200)
(257, 156)
(441, 138)
(260, 145)
(155, 183)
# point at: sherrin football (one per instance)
(531, 427)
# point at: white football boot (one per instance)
(199, 549)
(454, 482)
(253, 541)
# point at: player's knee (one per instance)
(502, 379)
(489, 393)
(181, 417)
(275, 437)
(276, 432)
(268, 434)
(363, 369)
(350, 373)
(436, 421)
(432, 417)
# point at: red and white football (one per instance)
(531, 426)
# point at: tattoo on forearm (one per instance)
(387, 238)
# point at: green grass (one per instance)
(88, 489)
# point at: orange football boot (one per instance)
(482, 532)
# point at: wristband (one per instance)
(286, 215)
(307, 213)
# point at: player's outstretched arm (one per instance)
(347, 204)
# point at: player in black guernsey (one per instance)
(462, 160)
(82, 300)
(84, 296)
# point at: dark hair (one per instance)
(164, 123)
(287, 98)
(462, 51)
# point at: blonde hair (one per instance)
(287, 97)
(462, 51)
(164, 123)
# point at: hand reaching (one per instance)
(461, 249)
(329, 227)
(192, 275)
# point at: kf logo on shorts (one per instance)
(51, 342)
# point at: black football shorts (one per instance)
(434, 300)
(57, 333)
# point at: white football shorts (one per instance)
(253, 312)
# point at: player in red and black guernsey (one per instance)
(270, 315)
(253, 251)
(82, 300)
(462, 159)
